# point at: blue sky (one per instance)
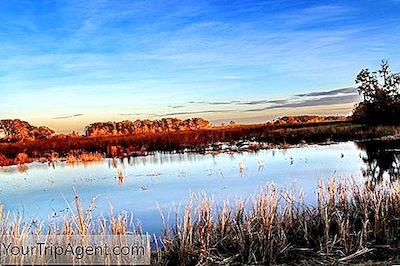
(65, 64)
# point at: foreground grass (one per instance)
(196, 140)
(350, 223)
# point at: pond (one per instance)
(140, 184)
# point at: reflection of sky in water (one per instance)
(40, 191)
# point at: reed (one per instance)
(350, 222)
(83, 157)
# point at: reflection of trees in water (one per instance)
(382, 159)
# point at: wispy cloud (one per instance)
(176, 106)
(312, 99)
(331, 100)
(68, 116)
(323, 13)
(265, 102)
(223, 102)
(176, 113)
(196, 102)
(198, 112)
(130, 114)
(139, 114)
(281, 102)
(350, 90)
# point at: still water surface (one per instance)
(42, 191)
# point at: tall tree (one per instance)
(381, 96)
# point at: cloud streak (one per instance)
(176, 106)
(198, 112)
(177, 113)
(311, 99)
(283, 101)
(68, 116)
(328, 100)
(139, 114)
(349, 90)
(223, 103)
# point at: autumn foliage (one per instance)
(144, 126)
(17, 130)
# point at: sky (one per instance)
(66, 64)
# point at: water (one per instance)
(43, 192)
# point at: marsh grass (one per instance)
(83, 157)
(196, 140)
(350, 222)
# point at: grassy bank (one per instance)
(350, 223)
(139, 144)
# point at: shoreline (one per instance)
(266, 146)
(255, 137)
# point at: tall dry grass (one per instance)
(83, 157)
(78, 224)
(349, 222)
